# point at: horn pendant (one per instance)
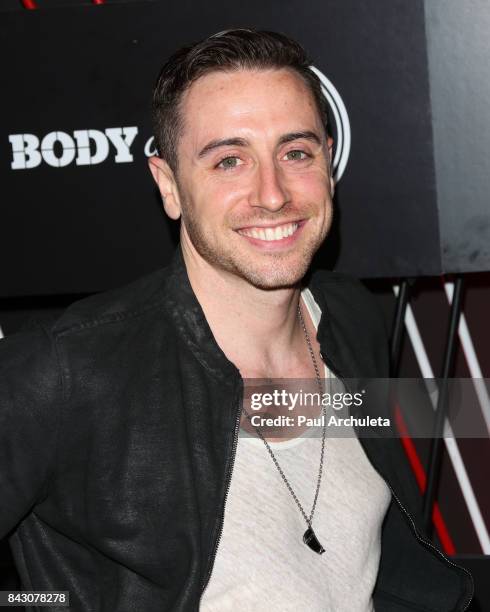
(310, 539)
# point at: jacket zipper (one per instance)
(405, 511)
(227, 490)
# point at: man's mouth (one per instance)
(270, 234)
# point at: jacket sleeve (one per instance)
(30, 398)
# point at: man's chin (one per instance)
(267, 284)
(263, 271)
(272, 278)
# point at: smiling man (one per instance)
(252, 182)
(123, 475)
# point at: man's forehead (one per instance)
(245, 100)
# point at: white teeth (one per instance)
(270, 234)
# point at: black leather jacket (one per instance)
(118, 426)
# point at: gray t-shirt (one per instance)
(262, 564)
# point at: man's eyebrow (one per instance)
(224, 142)
(308, 135)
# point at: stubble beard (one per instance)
(275, 270)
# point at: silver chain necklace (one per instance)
(309, 537)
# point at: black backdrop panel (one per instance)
(459, 61)
(86, 227)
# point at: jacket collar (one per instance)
(191, 324)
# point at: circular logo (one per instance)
(341, 127)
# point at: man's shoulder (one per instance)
(342, 294)
(137, 298)
(354, 326)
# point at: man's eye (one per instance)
(228, 163)
(296, 155)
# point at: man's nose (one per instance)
(270, 191)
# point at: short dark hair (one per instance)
(225, 51)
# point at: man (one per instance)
(123, 475)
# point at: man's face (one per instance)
(253, 178)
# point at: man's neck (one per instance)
(258, 330)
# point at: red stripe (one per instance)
(29, 4)
(420, 476)
(98, 1)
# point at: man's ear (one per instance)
(167, 185)
(330, 165)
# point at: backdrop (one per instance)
(80, 213)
